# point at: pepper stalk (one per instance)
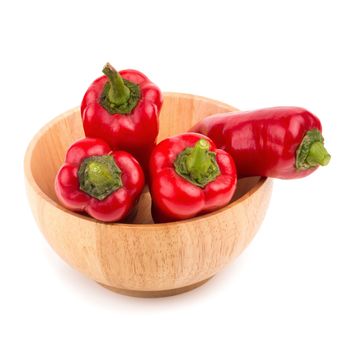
(197, 164)
(119, 95)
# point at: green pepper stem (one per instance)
(118, 93)
(318, 154)
(311, 151)
(198, 162)
(99, 176)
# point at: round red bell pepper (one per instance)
(189, 177)
(279, 142)
(122, 108)
(103, 183)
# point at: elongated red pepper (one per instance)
(280, 142)
(104, 184)
(189, 176)
(123, 109)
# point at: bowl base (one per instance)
(156, 293)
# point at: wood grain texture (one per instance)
(142, 258)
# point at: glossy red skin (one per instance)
(262, 142)
(117, 205)
(135, 132)
(173, 197)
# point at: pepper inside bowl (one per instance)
(142, 258)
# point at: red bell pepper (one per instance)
(123, 109)
(189, 176)
(279, 142)
(104, 184)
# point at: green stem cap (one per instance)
(99, 176)
(119, 95)
(197, 164)
(311, 152)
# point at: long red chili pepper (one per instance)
(189, 176)
(123, 108)
(103, 183)
(280, 142)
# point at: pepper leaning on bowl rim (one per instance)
(278, 142)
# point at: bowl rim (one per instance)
(37, 189)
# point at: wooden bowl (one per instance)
(142, 258)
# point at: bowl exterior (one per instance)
(153, 257)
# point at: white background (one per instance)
(290, 288)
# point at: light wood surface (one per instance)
(142, 258)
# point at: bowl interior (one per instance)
(179, 113)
